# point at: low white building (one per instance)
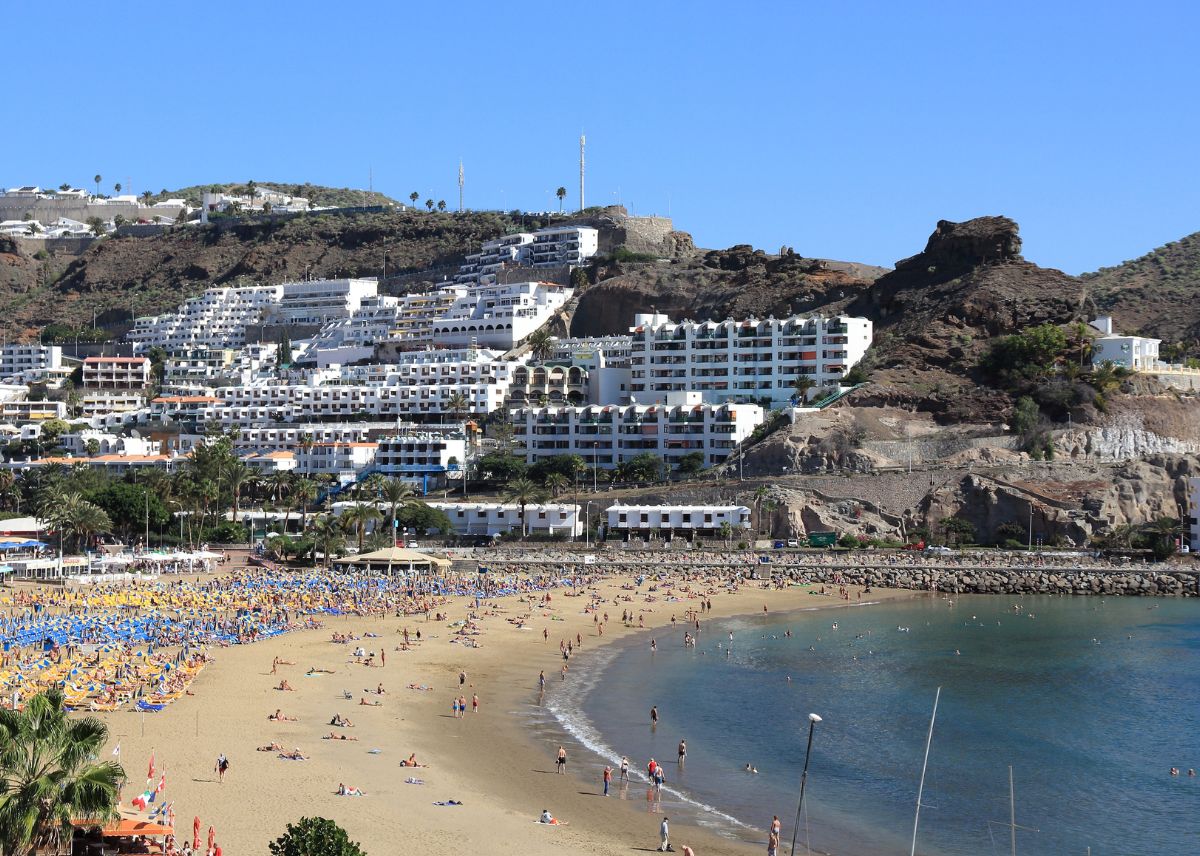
(682, 520)
(342, 460)
(496, 518)
(116, 373)
(499, 316)
(426, 461)
(605, 436)
(1136, 353)
(81, 442)
(32, 411)
(1193, 518)
(23, 360)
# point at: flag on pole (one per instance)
(117, 751)
(162, 782)
(150, 775)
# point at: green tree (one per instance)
(414, 196)
(1027, 356)
(52, 429)
(97, 178)
(424, 519)
(117, 188)
(499, 467)
(690, 463)
(328, 537)
(441, 206)
(304, 491)
(357, 517)
(802, 384)
(50, 776)
(561, 193)
(556, 483)
(96, 225)
(429, 204)
(726, 530)
(251, 191)
(239, 476)
(397, 493)
(540, 343)
(1025, 416)
(522, 492)
(314, 836)
(130, 506)
(458, 405)
(645, 467)
(958, 531)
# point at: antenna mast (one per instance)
(460, 185)
(582, 143)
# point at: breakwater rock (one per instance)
(1018, 580)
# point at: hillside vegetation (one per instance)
(1157, 294)
(315, 193)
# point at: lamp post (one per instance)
(813, 719)
(587, 524)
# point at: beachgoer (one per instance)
(221, 766)
(624, 768)
(682, 752)
(542, 680)
(607, 778)
(654, 716)
(773, 844)
(664, 834)
(561, 761)
(474, 703)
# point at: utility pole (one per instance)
(582, 143)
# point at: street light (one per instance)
(813, 719)
(587, 524)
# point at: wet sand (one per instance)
(491, 761)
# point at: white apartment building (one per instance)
(341, 460)
(26, 360)
(76, 443)
(116, 373)
(552, 247)
(199, 367)
(1193, 518)
(32, 411)
(216, 319)
(320, 301)
(605, 436)
(499, 316)
(269, 463)
(742, 361)
(424, 460)
(548, 384)
(494, 518)
(262, 438)
(684, 520)
(109, 402)
(1136, 353)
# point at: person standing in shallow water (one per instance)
(654, 716)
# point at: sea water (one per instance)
(1089, 700)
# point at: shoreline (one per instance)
(491, 761)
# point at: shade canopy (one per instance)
(129, 827)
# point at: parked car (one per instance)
(792, 542)
(779, 545)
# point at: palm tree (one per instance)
(251, 191)
(760, 493)
(458, 405)
(328, 536)
(49, 775)
(357, 516)
(523, 491)
(397, 493)
(117, 188)
(727, 533)
(561, 193)
(429, 204)
(239, 476)
(767, 510)
(97, 178)
(414, 196)
(802, 384)
(540, 343)
(441, 206)
(304, 491)
(557, 483)
(146, 197)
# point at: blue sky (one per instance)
(844, 130)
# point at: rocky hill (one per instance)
(315, 193)
(145, 275)
(1157, 294)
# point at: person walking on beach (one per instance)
(773, 844)
(221, 766)
(624, 769)
(462, 678)
(607, 778)
(561, 761)
(542, 681)
(664, 834)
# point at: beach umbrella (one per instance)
(212, 836)
(196, 833)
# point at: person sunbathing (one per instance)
(294, 755)
(351, 791)
(284, 685)
(362, 702)
(313, 670)
(332, 736)
(411, 761)
(283, 717)
(341, 721)
(270, 747)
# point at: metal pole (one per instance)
(1012, 813)
(813, 719)
(924, 765)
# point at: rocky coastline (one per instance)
(1018, 580)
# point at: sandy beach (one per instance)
(490, 761)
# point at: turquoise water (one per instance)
(1090, 700)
